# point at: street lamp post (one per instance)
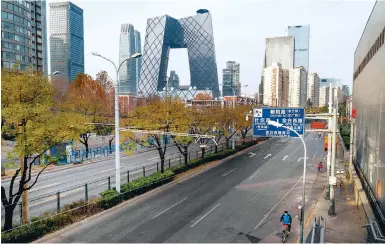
(274, 123)
(117, 139)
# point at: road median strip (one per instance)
(80, 210)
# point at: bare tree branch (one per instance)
(13, 181)
(30, 165)
(4, 198)
(37, 177)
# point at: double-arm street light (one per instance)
(302, 215)
(117, 139)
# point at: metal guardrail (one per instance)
(377, 235)
(54, 201)
(318, 230)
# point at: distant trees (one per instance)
(171, 115)
(86, 100)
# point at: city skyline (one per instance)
(251, 55)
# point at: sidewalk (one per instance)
(346, 225)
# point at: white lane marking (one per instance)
(229, 172)
(153, 158)
(251, 154)
(284, 158)
(301, 158)
(268, 213)
(294, 158)
(267, 156)
(104, 171)
(169, 208)
(254, 175)
(315, 154)
(204, 216)
(43, 187)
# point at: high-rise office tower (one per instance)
(278, 50)
(345, 92)
(24, 35)
(194, 33)
(301, 36)
(276, 85)
(338, 95)
(313, 90)
(127, 73)
(324, 96)
(297, 87)
(231, 83)
(138, 49)
(173, 80)
(326, 82)
(66, 40)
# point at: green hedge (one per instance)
(47, 223)
(136, 187)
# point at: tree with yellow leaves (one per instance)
(27, 105)
(242, 124)
(157, 117)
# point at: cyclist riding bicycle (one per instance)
(286, 219)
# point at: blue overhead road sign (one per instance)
(293, 118)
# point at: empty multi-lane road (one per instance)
(239, 200)
(70, 182)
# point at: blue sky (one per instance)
(240, 29)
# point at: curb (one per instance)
(312, 208)
(144, 196)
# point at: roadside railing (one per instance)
(54, 201)
(318, 230)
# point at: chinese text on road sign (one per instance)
(293, 118)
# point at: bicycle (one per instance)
(285, 232)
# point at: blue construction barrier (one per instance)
(80, 155)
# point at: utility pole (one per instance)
(329, 156)
(332, 210)
(24, 195)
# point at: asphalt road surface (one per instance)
(239, 200)
(71, 182)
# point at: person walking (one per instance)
(341, 186)
(320, 166)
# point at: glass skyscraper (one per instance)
(66, 40)
(127, 73)
(24, 35)
(301, 36)
(138, 49)
(231, 83)
(194, 33)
